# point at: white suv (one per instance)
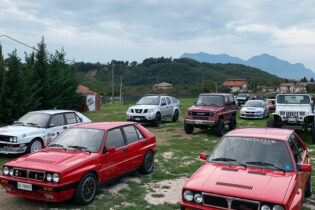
(35, 130)
(293, 110)
(154, 108)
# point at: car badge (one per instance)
(35, 176)
(16, 172)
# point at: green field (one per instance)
(176, 160)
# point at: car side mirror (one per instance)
(110, 149)
(203, 156)
(305, 168)
(163, 104)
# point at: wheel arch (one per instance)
(41, 141)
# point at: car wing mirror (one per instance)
(163, 104)
(305, 168)
(203, 156)
(110, 149)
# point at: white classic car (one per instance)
(154, 108)
(254, 109)
(35, 130)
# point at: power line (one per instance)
(26, 45)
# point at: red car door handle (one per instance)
(125, 149)
(144, 142)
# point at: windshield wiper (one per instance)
(259, 163)
(33, 124)
(223, 159)
(18, 123)
(58, 145)
(80, 148)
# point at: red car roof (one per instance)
(104, 125)
(259, 132)
(215, 94)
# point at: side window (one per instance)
(78, 118)
(131, 134)
(141, 136)
(168, 100)
(232, 101)
(57, 120)
(299, 145)
(294, 150)
(115, 138)
(174, 100)
(163, 101)
(226, 101)
(71, 118)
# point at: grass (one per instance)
(178, 158)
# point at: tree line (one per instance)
(41, 81)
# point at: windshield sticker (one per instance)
(259, 140)
(287, 166)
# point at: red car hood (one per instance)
(197, 108)
(54, 160)
(264, 185)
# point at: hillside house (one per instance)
(300, 87)
(236, 85)
(286, 87)
(162, 86)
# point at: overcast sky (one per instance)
(102, 30)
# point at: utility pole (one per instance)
(113, 89)
(216, 88)
(120, 87)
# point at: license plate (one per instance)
(292, 119)
(137, 119)
(199, 122)
(24, 186)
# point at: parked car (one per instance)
(252, 168)
(254, 109)
(78, 160)
(294, 110)
(155, 109)
(242, 98)
(271, 103)
(212, 110)
(37, 129)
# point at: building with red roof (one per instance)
(236, 85)
(92, 100)
(287, 87)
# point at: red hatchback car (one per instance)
(78, 160)
(252, 168)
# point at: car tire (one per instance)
(34, 146)
(232, 124)
(219, 128)
(308, 188)
(189, 129)
(86, 190)
(147, 163)
(313, 133)
(175, 116)
(271, 123)
(158, 119)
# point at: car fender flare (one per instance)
(41, 141)
(276, 117)
(309, 119)
(78, 173)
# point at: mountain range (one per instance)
(265, 62)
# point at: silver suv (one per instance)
(294, 110)
(154, 108)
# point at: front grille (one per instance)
(5, 138)
(29, 174)
(292, 114)
(138, 110)
(246, 205)
(216, 201)
(203, 114)
(227, 202)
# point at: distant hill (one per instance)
(181, 71)
(265, 62)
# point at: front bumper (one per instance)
(199, 122)
(251, 116)
(139, 117)
(7, 148)
(40, 191)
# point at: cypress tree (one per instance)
(2, 83)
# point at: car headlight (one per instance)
(48, 177)
(11, 171)
(150, 110)
(11, 139)
(278, 207)
(55, 177)
(198, 198)
(188, 195)
(302, 113)
(282, 113)
(242, 112)
(15, 139)
(5, 170)
(265, 207)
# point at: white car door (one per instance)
(170, 107)
(56, 125)
(163, 107)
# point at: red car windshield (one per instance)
(84, 139)
(253, 152)
(210, 100)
